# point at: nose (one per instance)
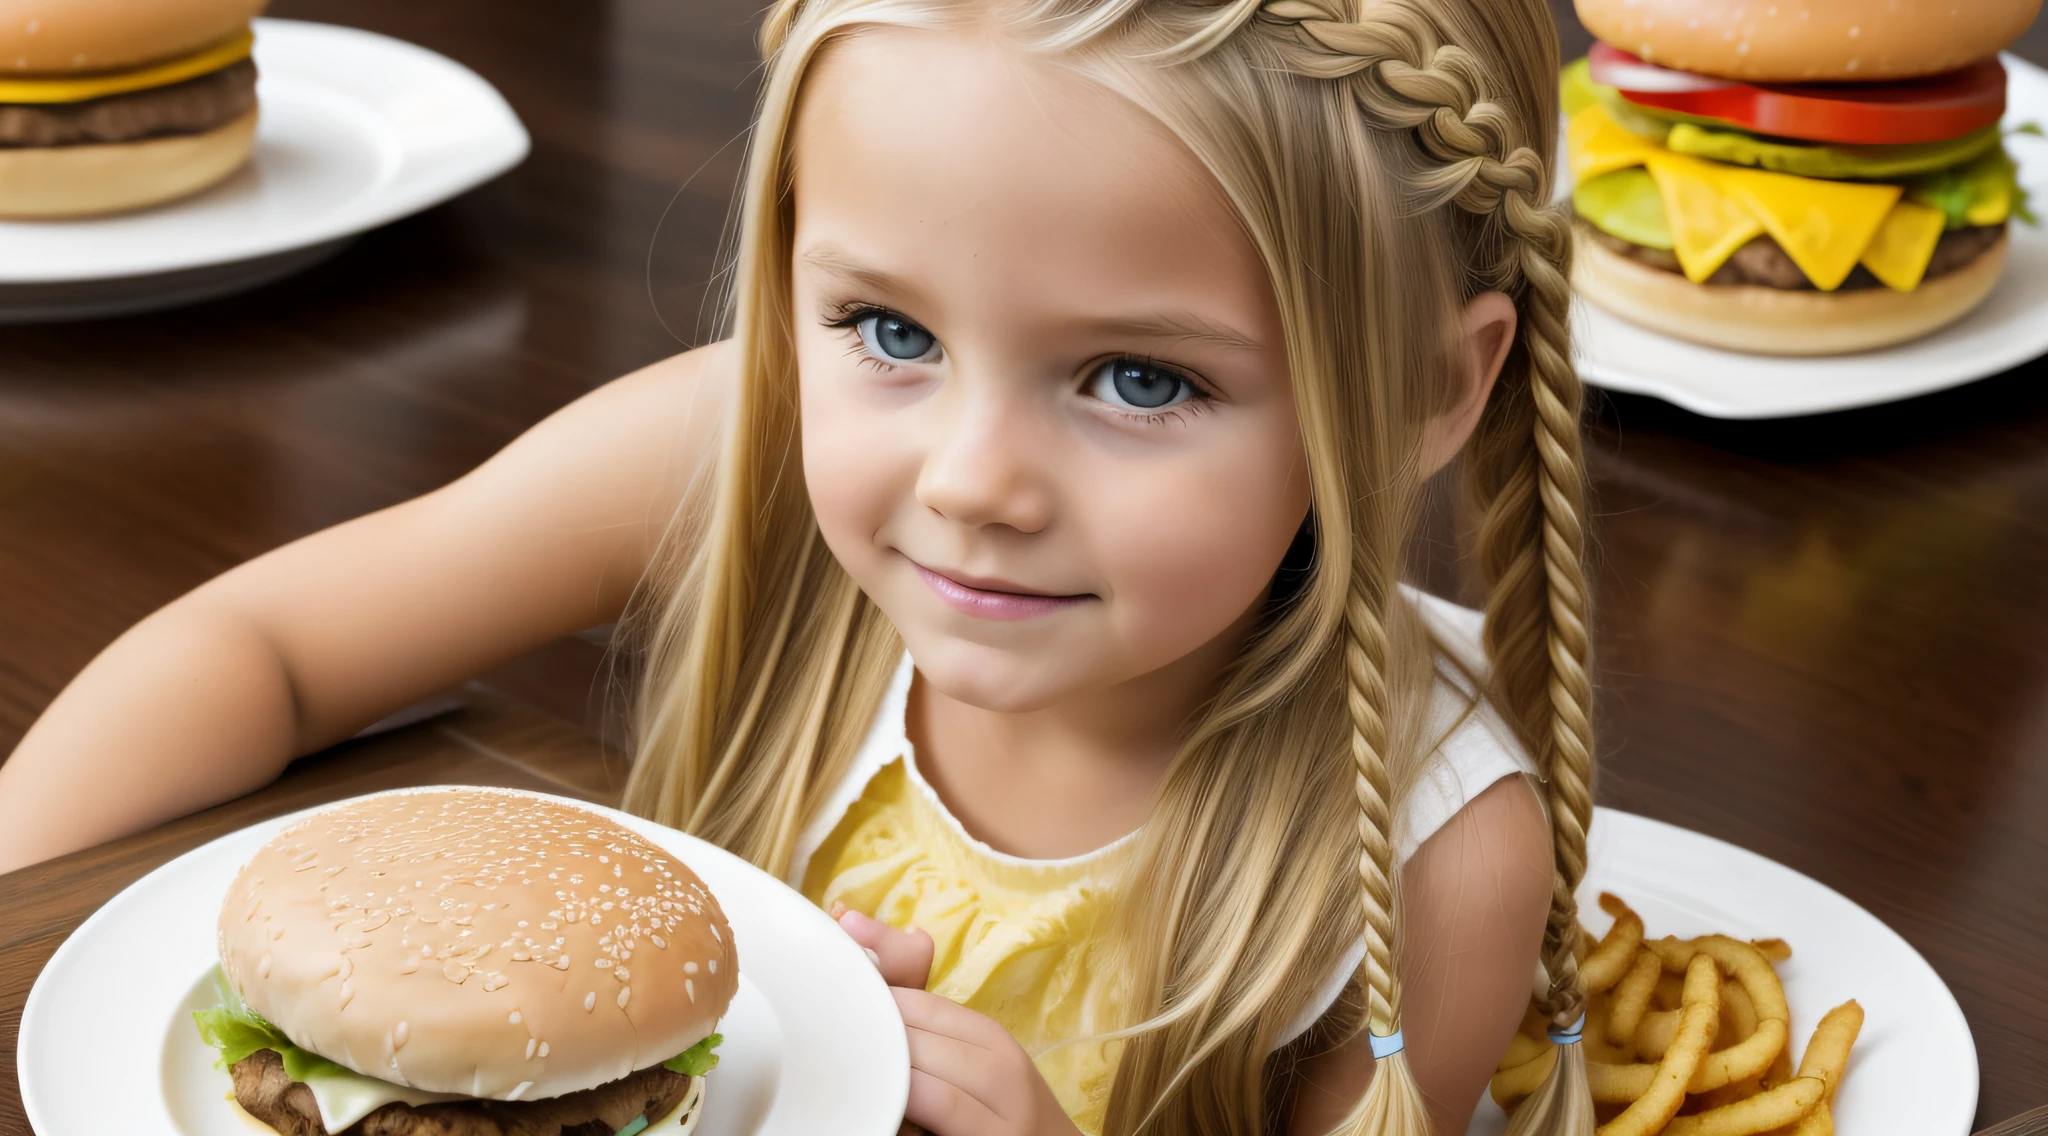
(982, 467)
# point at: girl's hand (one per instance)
(968, 1076)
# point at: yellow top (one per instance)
(1014, 938)
(1017, 939)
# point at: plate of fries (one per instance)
(1731, 996)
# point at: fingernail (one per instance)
(836, 910)
(873, 957)
(857, 924)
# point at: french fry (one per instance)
(1619, 1084)
(1738, 1015)
(1510, 1086)
(1827, 1057)
(1598, 1048)
(1522, 1049)
(1777, 950)
(1781, 1106)
(1607, 962)
(1738, 1022)
(1827, 1054)
(1754, 1054)
(1632, 999)
(1670, 992)
(1666, 1093)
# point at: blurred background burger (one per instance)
(1792, 176)
(108, 105)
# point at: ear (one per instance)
(1488, 324)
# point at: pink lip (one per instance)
(993, 599)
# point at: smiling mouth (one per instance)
(994, 599)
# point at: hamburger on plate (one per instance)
(467, 962)
(1792, 177)
(108, 105)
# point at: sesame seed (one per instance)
(625, 995)
(513, 1017)
(590, 1001)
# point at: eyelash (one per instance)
(847, 317)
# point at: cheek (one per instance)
(855, 479)
(1188, 556)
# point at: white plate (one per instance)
(813, 1043)
(356, 130)
(1914, 1069)
(2009, 328)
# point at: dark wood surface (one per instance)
(1824, 639)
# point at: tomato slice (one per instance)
(1933, 109)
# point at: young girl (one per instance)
(1021, 578)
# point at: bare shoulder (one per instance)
(1474, 901)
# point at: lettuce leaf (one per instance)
(238, 1031)
(1983, 192)
(696, 1060)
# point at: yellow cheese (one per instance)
(1707, 225)
(1899, 253)
(78, 88)
(1822, 225)
(1826, 227)
(1596, 145)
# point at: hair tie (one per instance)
(1569, 1036)
(1385, 1047)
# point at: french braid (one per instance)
(1532, 543)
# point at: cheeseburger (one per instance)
(1794, 177)
(466, 962)
(116, 104)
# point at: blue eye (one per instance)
(1138, 385)
(893, 339)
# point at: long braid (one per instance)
(1533, 544)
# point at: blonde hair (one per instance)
(1385, 157)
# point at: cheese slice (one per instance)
(345, 1096)
(78, 88)
(1826, 227)
(1707, 225)
(1899, 253)
(1596, 144)
(1823, 226)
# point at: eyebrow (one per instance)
(832, 260)
(1182, 326)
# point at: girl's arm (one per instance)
(297, 649)
(1474, 903)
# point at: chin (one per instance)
(1003, 679)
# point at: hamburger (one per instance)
(468, 962)
(1793, 177)
(108, 105)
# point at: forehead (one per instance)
(987, 152)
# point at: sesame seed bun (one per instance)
(1778, 321)
(478, 942)
(1803, 41)
(82, 181)
(68, 37)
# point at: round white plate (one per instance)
(1914, 1069)
(2009, 328)
(356, 130)
(813, 1042)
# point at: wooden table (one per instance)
(1825, 640)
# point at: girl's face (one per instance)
(1047, 423)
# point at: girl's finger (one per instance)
(967, 1067)
(945, 1110)
(937, 1014)
(904, 957)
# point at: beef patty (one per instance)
(266, 1092)
(191, 107)
(1764, 263)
